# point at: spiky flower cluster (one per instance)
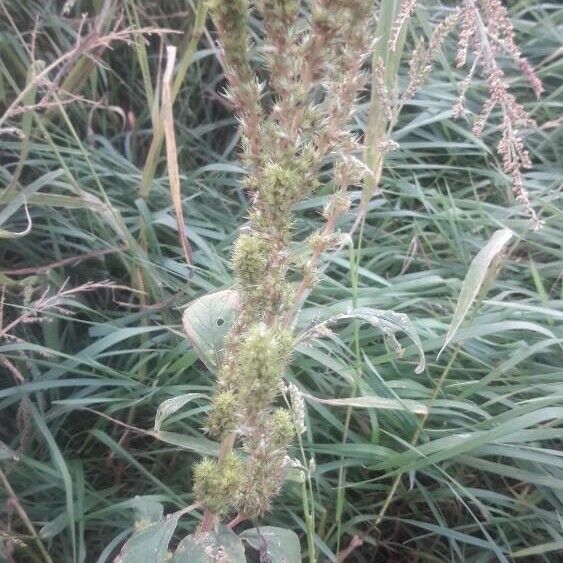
(259, 368)
(221, 419)
(267, 449)
(292, 125)
(230, 19)
(250, 258)
(219, 488)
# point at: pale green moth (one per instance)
(207, 321)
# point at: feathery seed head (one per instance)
(250, 258)
(218, 488)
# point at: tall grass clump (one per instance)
(358, 202)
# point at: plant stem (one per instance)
(355, 264)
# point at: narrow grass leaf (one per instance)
(474, 280)
(172, 151)
(373, 402)
(539, 549)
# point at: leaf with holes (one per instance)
(222, 546)
(276, 545)
(387, 322)
(149, 544)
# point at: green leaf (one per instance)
(9, 234)
(280, 545)
(373, 402)
(474, 279)
(197, 444)
(149, 544)
(170, 406)
(539, 549)
(60, 463)
(222, 546)
(147, 511)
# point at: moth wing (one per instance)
(207, 320)
(196, 320)
(224, 309)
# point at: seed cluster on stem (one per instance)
(295, 113)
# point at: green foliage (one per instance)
(149, 542)
(210, 547)
(478, 271)
(483, 481)
(278, 544)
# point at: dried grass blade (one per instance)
(172, 153)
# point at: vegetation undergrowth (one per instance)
(355, 454)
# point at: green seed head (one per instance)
(250, 258)
(221, 418)
(218, 488)
(280, 185)
(260, 364)
(282, 428)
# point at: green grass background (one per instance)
(484, 482)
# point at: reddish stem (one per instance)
(237, 520)
(355, 542)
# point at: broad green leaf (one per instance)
(276, 545)
(170, 406)
(474, 280)
(222, 546)
(373, 402)
(149, 544)
(207, 321)
(147, 511)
